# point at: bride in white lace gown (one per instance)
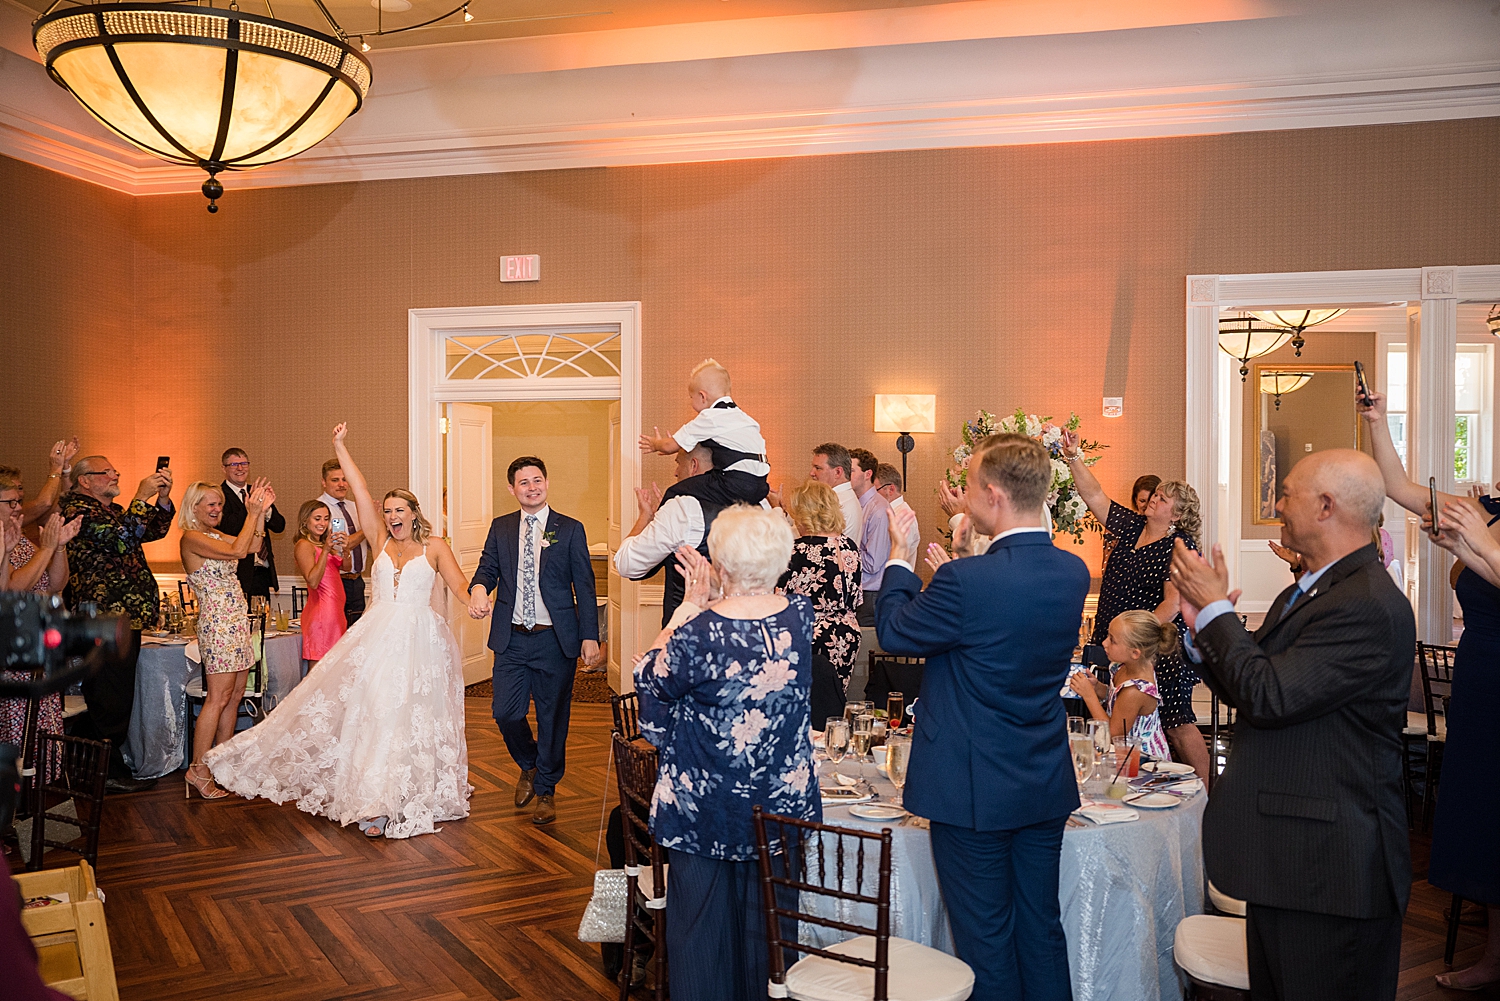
(375, 733)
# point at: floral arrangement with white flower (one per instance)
(1066, 509)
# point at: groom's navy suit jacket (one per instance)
(565, 577)
(998, 631)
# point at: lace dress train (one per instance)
(376, 729)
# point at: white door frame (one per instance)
(1430, 349)
(428, 388)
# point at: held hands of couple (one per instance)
(1199, 582)
(479, 602)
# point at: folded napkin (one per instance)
(1107, 813)
(191, 652)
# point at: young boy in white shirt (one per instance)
(733, 436)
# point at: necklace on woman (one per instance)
(747, 594)
(401, 552)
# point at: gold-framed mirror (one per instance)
(1299, 409)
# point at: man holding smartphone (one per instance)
(356, 552)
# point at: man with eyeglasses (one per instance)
(109, 568)
(257, 571)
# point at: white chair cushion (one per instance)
(1224, 903)
(918, 973)
(1212, 949)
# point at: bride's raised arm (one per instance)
(370, 515)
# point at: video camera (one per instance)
(44, 648)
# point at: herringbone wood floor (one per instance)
(242, 899)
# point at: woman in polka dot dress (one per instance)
(1135, 578)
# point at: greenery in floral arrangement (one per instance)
(1066, 509)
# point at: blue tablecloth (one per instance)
(157, 740)
(1123, 890)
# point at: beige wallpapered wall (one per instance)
(1040, 276)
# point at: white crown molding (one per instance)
(466, 108)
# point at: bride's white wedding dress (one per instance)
(376, 729)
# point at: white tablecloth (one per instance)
(156, 743)
(1123, 890)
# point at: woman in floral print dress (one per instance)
(725, 698)
(825, 567)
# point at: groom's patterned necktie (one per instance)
(528, 575)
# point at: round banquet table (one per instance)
(156, 743)
(1123, 889)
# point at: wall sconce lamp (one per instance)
(906, 414)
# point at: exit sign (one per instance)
(521, 268)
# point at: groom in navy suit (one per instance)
(990, 766)
(537, 562)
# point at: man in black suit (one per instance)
(257, 571)
(1307, 823)
(538, 563)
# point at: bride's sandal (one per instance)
(205, 785)
(373, 828)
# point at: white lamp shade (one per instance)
(214, 88)
(1296, 319)
(1279, 383)
(1245, 346)
(906, 413)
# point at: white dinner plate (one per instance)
(1167, 768)
(877, 811)
(1152, 801)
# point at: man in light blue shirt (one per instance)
(874, 531)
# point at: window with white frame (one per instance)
(1471, 408)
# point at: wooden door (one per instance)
(471, 507)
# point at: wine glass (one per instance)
(897, 756)
(895, 705)
(836, 740)
(1081, 743)
(861, 736)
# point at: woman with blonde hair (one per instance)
(320, 556)
(211, 560)
(825, 567)
(374, 735)
(1137, 578)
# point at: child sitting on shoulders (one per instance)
(1134, 642)
(733, 436)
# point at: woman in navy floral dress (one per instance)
(724, 696)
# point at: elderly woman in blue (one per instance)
(725, 696)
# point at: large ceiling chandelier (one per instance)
(1296, 321)
(213, 88)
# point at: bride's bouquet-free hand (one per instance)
(1068, 512)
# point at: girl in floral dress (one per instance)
(1134, 641)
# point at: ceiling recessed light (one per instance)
(391, 6)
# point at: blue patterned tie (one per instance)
(528, 575)
(1297, 594)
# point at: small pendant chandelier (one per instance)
(208, 87)
(1277, 384)
(1296, 320)
(1240, 337)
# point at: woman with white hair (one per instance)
(211, 560)
(724, 696)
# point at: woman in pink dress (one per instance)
(320, 555)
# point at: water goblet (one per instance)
(836, 741)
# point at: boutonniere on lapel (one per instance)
(548, 539)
